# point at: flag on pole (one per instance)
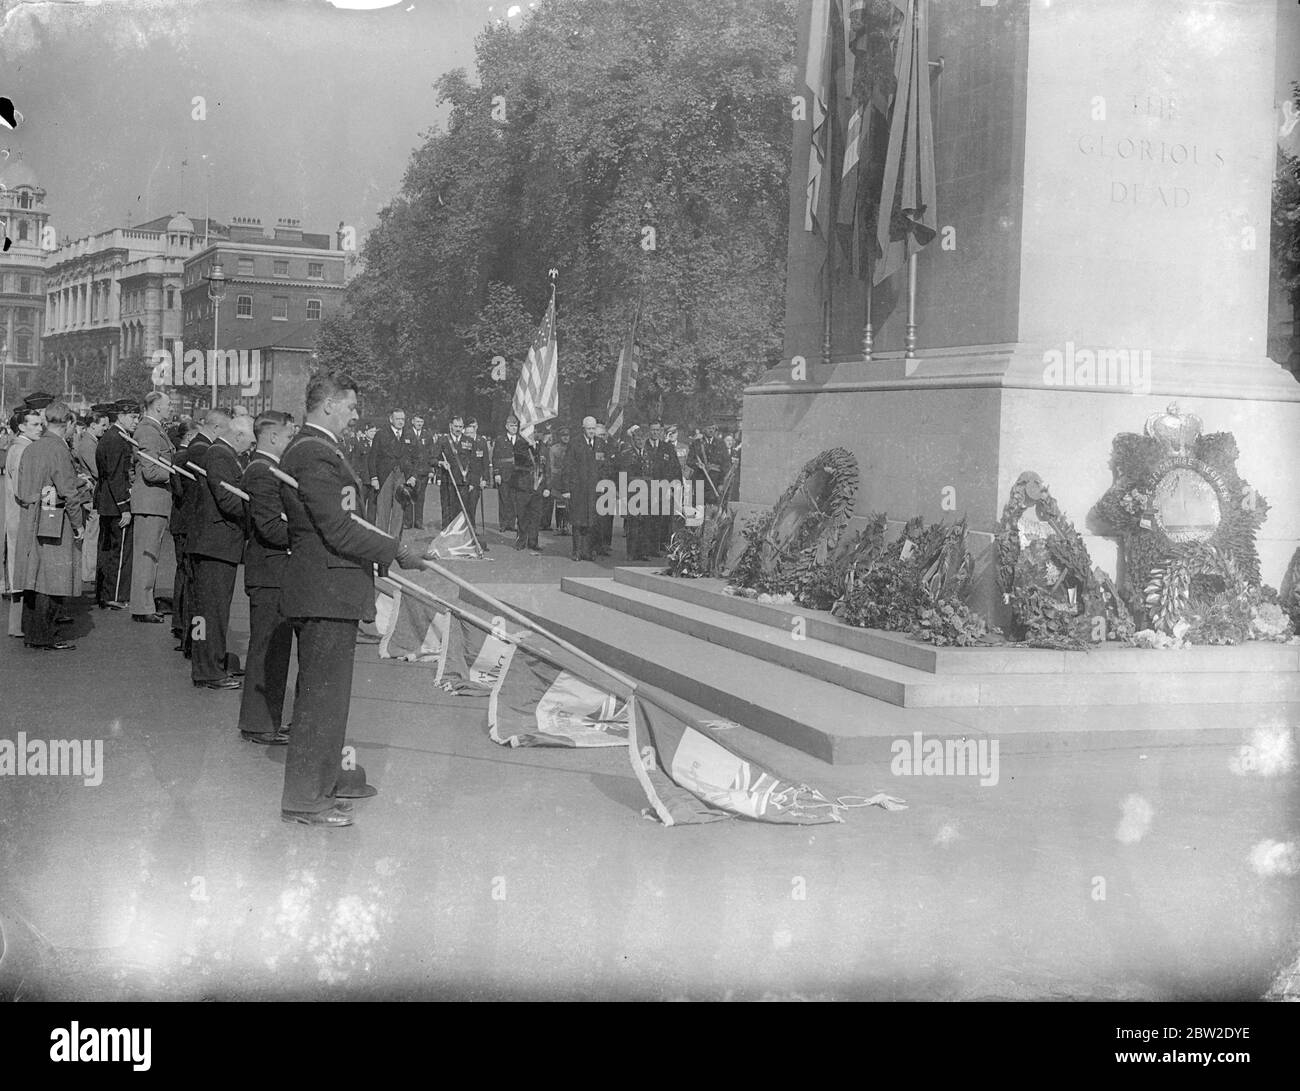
(537, 397)
(409, 628)
(625, 375)
(456, 541)
(908, 216)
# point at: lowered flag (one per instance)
(625, 375)
(536, 702)
(456, 541)
(474, 657)
(908, 217)
(537, 395)
(409, 628)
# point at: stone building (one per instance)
(22, 278)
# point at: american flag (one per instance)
(624, 377)
(537, 397)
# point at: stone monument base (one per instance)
(947, 434)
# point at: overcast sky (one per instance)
(312, 112)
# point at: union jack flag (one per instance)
(537, 397)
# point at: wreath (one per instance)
(1173, 578)
(1057, 598)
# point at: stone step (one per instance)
(1256, 656)
(841, 726)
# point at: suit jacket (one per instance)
(583, 469)
(195, 451)
(113, 466)
(503, 455)
(391, 453)
(328, 574)
(423, 451)
(463, 456)
(664, 463)
(267, 552)
(151, 488)
(530, 468)
(219, 514)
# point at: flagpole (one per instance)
(909, 343)
(868, 333)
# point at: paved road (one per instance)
(485, 872)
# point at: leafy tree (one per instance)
(640, 147)
(1285, 239)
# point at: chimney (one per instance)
(246, 229)
(288, 230)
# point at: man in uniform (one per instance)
(83, 460)
(604, 533)
(270, 639)
(423, 450)
(187, 527)
(503, 463)
(478, 468)
(585, 463)
(531, 487)
(454, 451)
(328, 588)
(216, 548)
(151, 506)
(634, 460)
(557, 453)
(113, 503)
(710, 460)
(665, 468)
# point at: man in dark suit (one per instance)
(113, 502)
(270, 640)
(585, 463)
(665, 468)
(532, 489)
(423, 451)
(503, 470)
(478, 469)
(456, 461)
(328, 588)
(391, 451)
(191, 460)
(217, 547)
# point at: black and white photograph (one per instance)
(650, 500)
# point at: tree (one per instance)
(639, 146)
(1285, 240)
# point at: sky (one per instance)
(311, 112)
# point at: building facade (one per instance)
(279, 286)
(22, 279)
(114, 297)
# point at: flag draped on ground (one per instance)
(537, 395)
(542, 696)
(625, 375)
(456, 541)
(907, 217)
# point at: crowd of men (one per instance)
(90, 498)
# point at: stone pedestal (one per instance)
(1104, 183)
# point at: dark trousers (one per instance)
(582, 541)
(604, 532)
(451, 501)
(472, 495)
(638, 536)
(548, 512)
(266, 672)
(416, 510)
(113, 565)
(528, 508)
(180, 588)
(313, 768)
(39, 612)
(506, 506)
(214, 585)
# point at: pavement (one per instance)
(1132, 873)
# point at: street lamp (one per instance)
(216, 292)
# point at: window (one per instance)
(171, 298)
(280, 308)
(244, 306)
(245, 267)
(282, 267)
(313, 310)
(25, 285)
(22, 346)
(316, 270)
(22, 230)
